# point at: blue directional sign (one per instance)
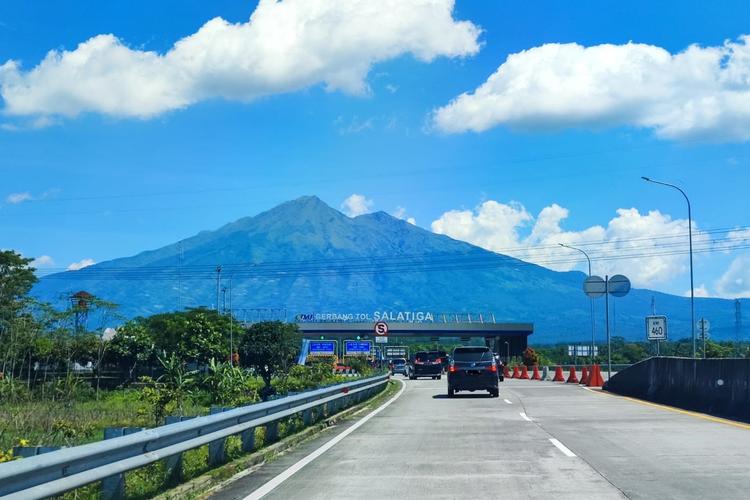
(357, 347)
(322, 348)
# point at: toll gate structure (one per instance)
(503, 338)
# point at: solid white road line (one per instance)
(525, 417)
(276, 481)
(508, 401)
(562, 447)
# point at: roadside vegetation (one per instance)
(65, 375)
(627, 352)
(623, 351)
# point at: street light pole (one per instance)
(507, 353)
(231, 325)
(690, 239)
(593, 342)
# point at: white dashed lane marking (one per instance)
(562, 447)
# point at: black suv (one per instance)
(426, 364)
(473, 369)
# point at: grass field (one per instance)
(46, 423)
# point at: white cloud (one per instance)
(43, 261)
(75, 266)
(493, 225)
(699, 93)
(700, 291)
(735, 282)
(354, 126)
(356, 204)
(400, 213)
(15, 198)
(733, 238)
(498, 227)
(285, 46)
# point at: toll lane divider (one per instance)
(718, 387)
(69, 468)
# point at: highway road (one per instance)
(538, 440)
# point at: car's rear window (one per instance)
(399, 361)
(427, 356)
(472, 354)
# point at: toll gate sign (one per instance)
(381, 328)
(322, 348)
(396, 352)
(656, 327)
(357, 347)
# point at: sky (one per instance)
(516, 126)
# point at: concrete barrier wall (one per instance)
(717, 386)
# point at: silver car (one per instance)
(398, 365)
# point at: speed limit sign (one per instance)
(656, 327)
(381, 328)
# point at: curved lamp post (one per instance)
(592, 300)
(690, 239)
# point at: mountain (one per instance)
(306, 257)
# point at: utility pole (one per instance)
(179, 279)
(738, 325)
(606, 320)
(218, 286)
(223, 300)
(231, 325)
(653, 313)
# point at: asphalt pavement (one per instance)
(537, 440)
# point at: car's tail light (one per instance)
(492, 368)
(418, 362)
(438, 360)
(452, 368)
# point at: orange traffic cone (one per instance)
(572, 377)
(524, 372)
(559, 377)
(595, 379)
(584, 376)
(536, 375)
(506, 372)
(516, 373)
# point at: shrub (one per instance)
(530, 357)
(230, 385)
(170, 391)
(14, 391)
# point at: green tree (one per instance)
(270, 347)
(133, 344)
(195, 335)
(16, 279)
(718, 350)
(17, 326)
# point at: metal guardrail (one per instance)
(69, 468)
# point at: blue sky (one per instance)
(110, 177)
